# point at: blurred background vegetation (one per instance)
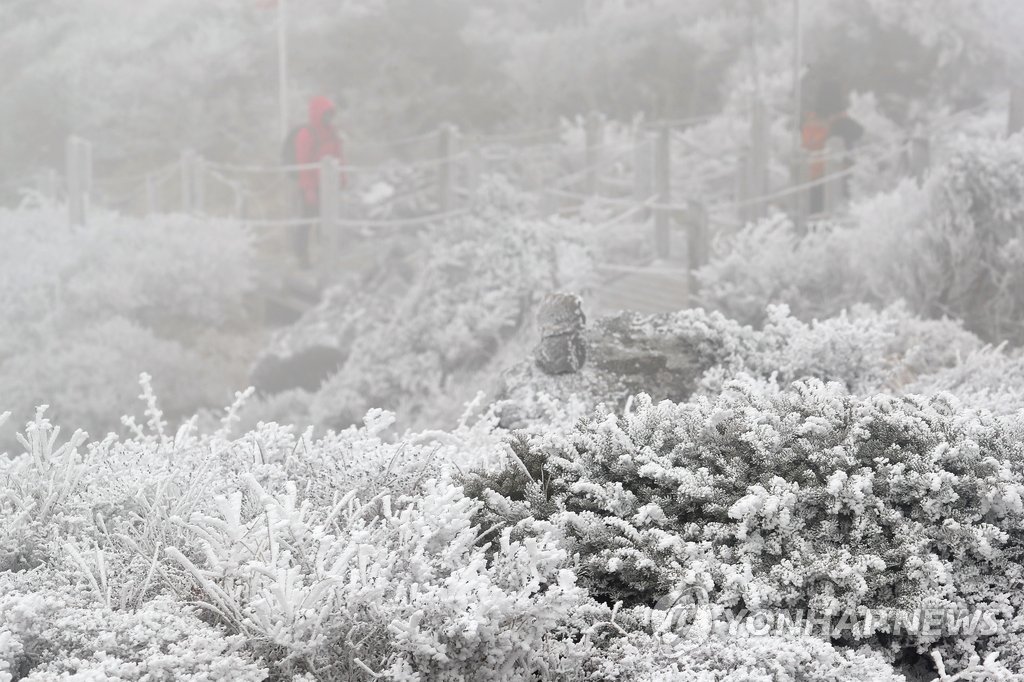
(145, 80)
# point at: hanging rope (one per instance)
(390, 143)
(401, 222)
(350, 168)
(609, 153)
(171, 166)
(275, 222)
(355, 222)
(517, 137)
(641, 269)
(789, 191)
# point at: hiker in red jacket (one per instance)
(313, 142)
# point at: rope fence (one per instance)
(636, 176)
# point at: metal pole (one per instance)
(797, 87)
(282, 66)
(663, 188)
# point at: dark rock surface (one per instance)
(625, 354)
(307, 351)
(561, 323)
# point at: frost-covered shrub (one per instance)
(801, 498)
(394, 584)
(52, 629)
(421, 348)
(681, 354)
(957, 252)
(356, 553)
(296, 569)
(87, 309)
(168, 267)
(331, 556)
(866, 351)
(641, 656)
(990, 378)
(767, 262)
(950, 248)
(66, 486)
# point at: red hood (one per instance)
(318, 106)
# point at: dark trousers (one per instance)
(302, 234)
(816, 204)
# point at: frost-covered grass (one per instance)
(86, 310)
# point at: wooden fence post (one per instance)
(595, 139)
(643, 166)
(187, 182)
(663, 189)
(198, 184)
(698, 243)
(445, 147)
(151, 196)
(474, 167)
(833, 190)
(73, 167)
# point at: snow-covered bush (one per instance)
(767, 262)
(866, 351)
(52, 628)
(333, 557)
(955, 248)
(990, 377)
(801, 498)
(950, 248)
(694, 352)
(427, 333)
(641, 656)
(88, 309)
(397, 584)
(358, 553)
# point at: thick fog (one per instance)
(492, 339)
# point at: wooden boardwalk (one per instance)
(660, 290)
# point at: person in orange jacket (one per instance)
(830, 120)
(814, 135)
(311, 143)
